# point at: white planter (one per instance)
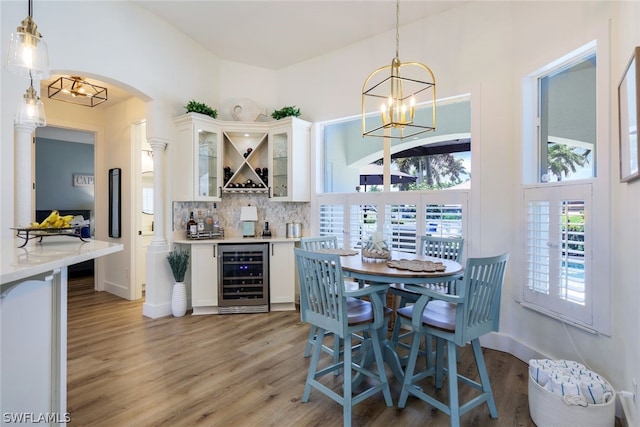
(179, 299)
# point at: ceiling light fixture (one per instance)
(407, 85)
(27, 55)
(31, 109)
(77, 90)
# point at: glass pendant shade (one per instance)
(28, 55)
(31, 110)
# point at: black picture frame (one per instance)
(628, 119)
(115, 209)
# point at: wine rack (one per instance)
(246, 161)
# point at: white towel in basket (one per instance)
(567, 378)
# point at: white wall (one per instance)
(482, 48)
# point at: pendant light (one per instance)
(394, 91)
(27, 55)
(31, 109)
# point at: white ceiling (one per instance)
(274, 34)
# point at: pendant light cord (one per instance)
(31, 8)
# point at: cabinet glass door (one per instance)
(207, 164)
(280, 166)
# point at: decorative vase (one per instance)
(179, 299)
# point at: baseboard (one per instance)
(629, 416)
(156, 311)
(506, 343)
(116, 290)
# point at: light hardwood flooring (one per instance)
(230, 370)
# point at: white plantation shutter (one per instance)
(443, 220)
(558, 251)
(352, 216)
(403, 221)
(332, 222)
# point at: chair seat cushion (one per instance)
(361, 311)
(438, 314)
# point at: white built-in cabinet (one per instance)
(203, 275)
(282, 280)
(241, 157)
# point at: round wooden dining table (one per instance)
(380, 272)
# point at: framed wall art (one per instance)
(628, 99)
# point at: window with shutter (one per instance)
(558, 251)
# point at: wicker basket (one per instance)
(548, 409)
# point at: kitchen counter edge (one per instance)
(235, 240)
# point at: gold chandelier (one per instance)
(395, 90)
(77, 90)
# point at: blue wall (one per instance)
(56, 163)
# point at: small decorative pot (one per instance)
(179, 299)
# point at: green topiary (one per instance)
(178, 261)
(286, 112)
(200, 107)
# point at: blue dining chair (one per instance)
(450, 248)
(316, 244)
(323, 304)
(455, 320)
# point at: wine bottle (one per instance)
(192, 227)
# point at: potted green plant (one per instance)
(178, 261)
(286, 112)
(200, 107)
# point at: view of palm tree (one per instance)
(565, 159)
(434, 171)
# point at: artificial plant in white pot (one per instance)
(178, 261)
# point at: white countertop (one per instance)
(53, 252)
(236, 239)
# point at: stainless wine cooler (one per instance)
(243, 278)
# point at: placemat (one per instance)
(416, 265)
(341, 252)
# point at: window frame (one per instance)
(600, 219)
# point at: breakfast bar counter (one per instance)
(33, 325)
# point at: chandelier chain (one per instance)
(397, 28)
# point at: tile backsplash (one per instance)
(277, 214)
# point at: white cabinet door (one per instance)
(289, 150)
(196, 159)
(282, 276)
(204, 276)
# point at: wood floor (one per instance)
(229, 370)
